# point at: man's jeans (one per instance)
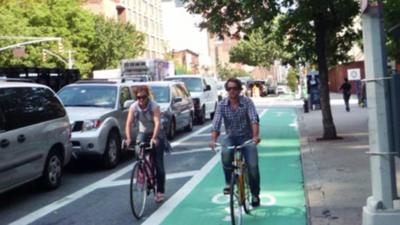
(158, 157)
(251, 158)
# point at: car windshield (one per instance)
(161, 94)
(89, 96)
(192, 84)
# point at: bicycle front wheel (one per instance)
(234, 202)
(138, 190)
(246, 192)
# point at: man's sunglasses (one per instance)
(232, 88)
(141, 97)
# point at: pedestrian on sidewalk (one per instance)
(241, 124)
(346, 89)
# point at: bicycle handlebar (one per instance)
(250, 141)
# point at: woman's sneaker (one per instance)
(159, 197)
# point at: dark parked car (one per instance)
(176, 105)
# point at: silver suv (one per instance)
(34, 135)
(98, 116)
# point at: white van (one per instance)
(203, 90)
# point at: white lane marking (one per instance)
(191, 151)
(178, 142)
(33, 216)
(169, 177)
(158, 216)
(68, 199)
(263, 112)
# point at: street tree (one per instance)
(225, 71)
(258, 49)
(391, 13)
(114, 41)
(325, 25)
(90, 37)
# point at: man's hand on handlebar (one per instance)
(256, 140)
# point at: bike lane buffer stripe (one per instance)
(282, 192)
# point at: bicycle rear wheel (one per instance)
(138, 190)
(234, 202)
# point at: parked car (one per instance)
(98, 116)
(176, 105)
(282, 89)
(34, 135)
(203, 90)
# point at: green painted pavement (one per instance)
(282, 193)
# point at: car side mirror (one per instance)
(128, 103)
(208, 87)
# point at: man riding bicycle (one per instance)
(241, 124)
(147, 113)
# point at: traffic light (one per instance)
(60, 47)
(44, 56)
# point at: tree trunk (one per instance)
(320, 27)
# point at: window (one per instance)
(124, 96)
(161, 94)
(26, 106)
(89, 96)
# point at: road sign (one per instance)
(19, 52)
(354, 74)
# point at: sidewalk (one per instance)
(337, 173)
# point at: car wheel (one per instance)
(189, 127)
(213, 113)
(112, 151)
(52, 174)
(202, 117)
(171, 130)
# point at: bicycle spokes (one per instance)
(138, 191)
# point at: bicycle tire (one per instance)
(247, 193)
(138, 190)
(235, 203)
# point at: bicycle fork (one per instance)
(238, 167)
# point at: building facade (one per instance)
(187, 58)
(144, 14)
(182, 32)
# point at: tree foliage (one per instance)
(310, 30)
(258, 49)
(225, 72)
(96, 43)
(391, 14)
(182, 69)
(292, 79)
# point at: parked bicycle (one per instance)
(143, 181)
(239, 195)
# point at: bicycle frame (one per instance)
(146, 163)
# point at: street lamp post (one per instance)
(383, 206)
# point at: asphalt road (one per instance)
(92, 195)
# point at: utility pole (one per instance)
(383, 206)
(68, 63)
(32, 40)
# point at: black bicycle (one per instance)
(143, 181)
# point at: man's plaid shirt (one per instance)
(237, 122)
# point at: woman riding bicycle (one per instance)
(241, 124)
(147, 113)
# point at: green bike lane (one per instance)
(282, 193)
